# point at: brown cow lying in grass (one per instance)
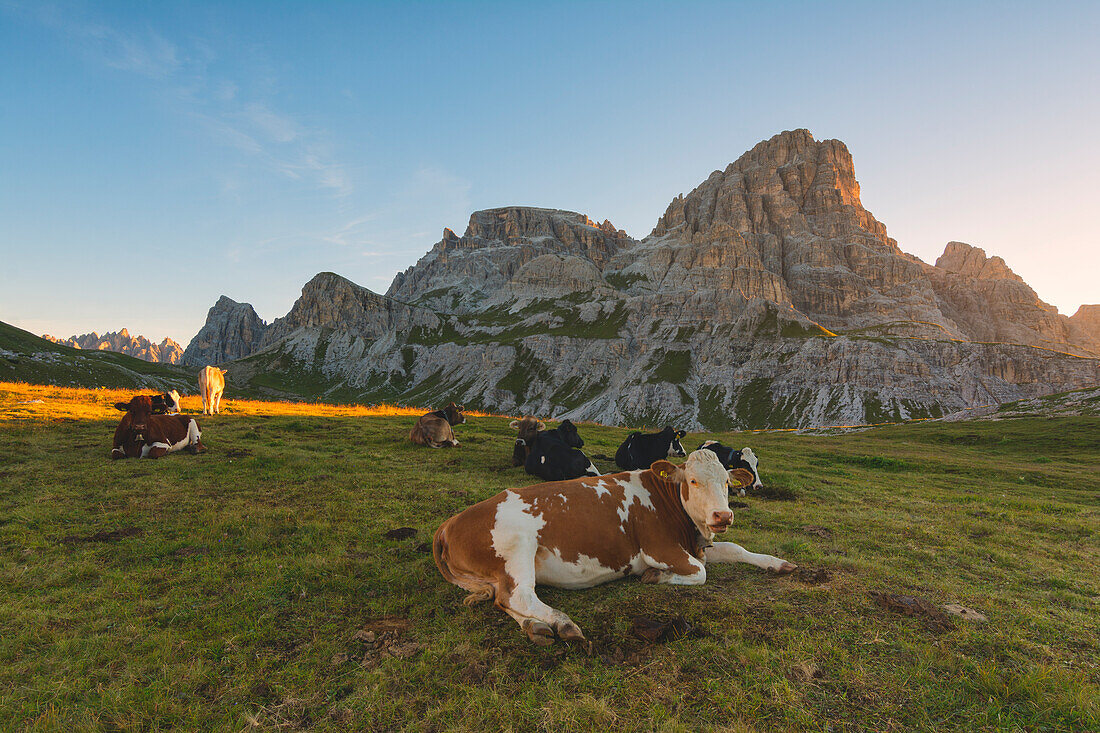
(528, 428)
(434, 429)
(141, 434)
(658, 523)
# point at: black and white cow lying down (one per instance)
(640, 450)
(556, 455)
(734, 459)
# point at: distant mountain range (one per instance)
(768, 296)
(166, 352)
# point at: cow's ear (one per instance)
(740, 477)
(514, 425)
(668, 471)
(540, 426)
(122, 406)
(681, 433)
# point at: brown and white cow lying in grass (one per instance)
(434, 429)
(141, 434)
(658, 523)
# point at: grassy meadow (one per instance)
(253, 587)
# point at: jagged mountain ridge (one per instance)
(766, 296)
(166, 352)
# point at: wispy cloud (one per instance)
(241, 118)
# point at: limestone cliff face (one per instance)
(989, 302)
(1085, 326)
(232, 330)
(785, 223)
(333, 302)
(167, 351)
(768, 296)
(459, 272)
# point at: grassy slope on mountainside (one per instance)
(239, 578)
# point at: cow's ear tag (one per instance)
(664, 474)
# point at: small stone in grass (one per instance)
(969, 614)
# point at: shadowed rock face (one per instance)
(496, 245)
(766, 296)
(167, 351)
(232, 331)
(331, 301)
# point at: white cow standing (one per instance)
(211, 385)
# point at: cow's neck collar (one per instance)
(666, 496)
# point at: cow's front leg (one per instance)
(156, 450)
(685, 569)
(731, 552)
(538, 620)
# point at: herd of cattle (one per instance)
(556, 455)
(577, 529)
(152, 426)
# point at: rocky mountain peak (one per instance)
(969, 261)
(331, 301)
(232, 331)
(167, 351)
(789, 180)
(459, 272)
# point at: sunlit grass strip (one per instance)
(19, 401)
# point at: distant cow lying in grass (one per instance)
(141, 434)
(732, 459)
(658, 523)
(434, 429)
(556, 455)
(528, 429)
(641, 450)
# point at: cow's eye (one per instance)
(694, 481)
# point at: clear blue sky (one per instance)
(157, 155)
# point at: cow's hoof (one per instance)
(651, 575)
(539, 632)
(784, 569)
(570, 632)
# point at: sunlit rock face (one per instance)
(167, 351)
(232, 331)
(989, 302)
(767, 296)
(1085, 326)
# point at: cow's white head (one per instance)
(750, 458)
(173, 402)
(704, 490)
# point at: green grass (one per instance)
(237, 596)
(671, 366)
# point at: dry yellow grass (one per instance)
(21, 401)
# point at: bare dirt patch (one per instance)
(654, 630)
(813, 576)
(401, 533)
(386, 637)
(817, 531)
(111, 535)
(931, 614)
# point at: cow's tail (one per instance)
(480, 590)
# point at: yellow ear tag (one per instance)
(664, 474)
